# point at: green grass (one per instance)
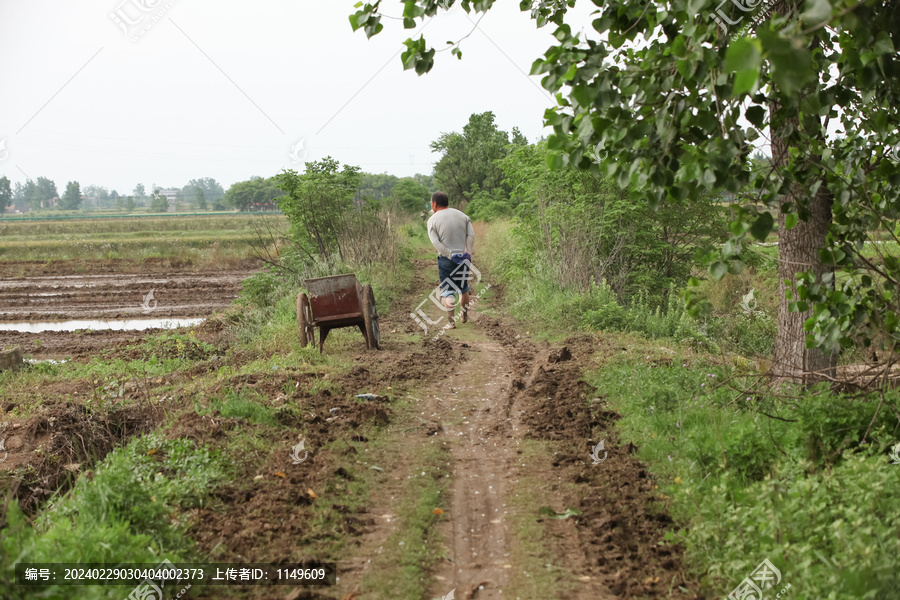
(125, 510)
(10, 228)
(798, 489)
(104, 376)
(195, 240)
(234, 404)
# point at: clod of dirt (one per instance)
(10, 359)
(563, 354)
(438, 345)
(342, 472)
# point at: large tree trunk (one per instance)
(798, 251)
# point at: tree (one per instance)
(201, 199)
(255, 194)
(139, 191)
(23, 195)
(99, 194)
(411, 195)
(588, 230)
(212, 189)
(44, 193)
(469, 161)
(71, 199)
(375, 186)
(130, 204)
(200, 192)
(194, 195)
(426, 180)
(159, 203)
(6, 196)
(18, 197)
(676, 114)
(316, 201)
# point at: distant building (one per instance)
(171, 195)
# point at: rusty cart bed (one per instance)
(334, 302)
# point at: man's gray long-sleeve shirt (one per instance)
(451, 232)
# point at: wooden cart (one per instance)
(334, 302)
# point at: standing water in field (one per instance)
(97, 325)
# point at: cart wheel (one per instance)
(370, 316)
(305, 321)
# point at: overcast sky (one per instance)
(226, 89)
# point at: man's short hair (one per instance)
(440, 198)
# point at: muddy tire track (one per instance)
(477, 411)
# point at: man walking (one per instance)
(453, 237)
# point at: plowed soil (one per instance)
(87, 290)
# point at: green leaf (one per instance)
(549, 512)
(373, 28)
(554, 160)
(883, 43)
(743, 55)
(738, 228)
(831, 257)
(790, 220)
(744, 58)
(691, 169)
(745, 82)
(817, 11)
(762, 227)
(790, 61)
(798, 306)
(718, 269)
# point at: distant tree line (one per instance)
(410, 194)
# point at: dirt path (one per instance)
(474, 405)
(480, 405)
(502, 392)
